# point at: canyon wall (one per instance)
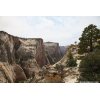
(63, 50)
(20, 58)
(52, 51)
(23, 59)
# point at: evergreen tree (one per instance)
(90, 67)
(90, 37)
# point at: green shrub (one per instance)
(90, 67)
(71, 61)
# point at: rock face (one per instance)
(63, 50)
(52, 51)
(11, 73)
(20, 58)
(30, 55)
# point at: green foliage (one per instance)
(89, 39)
(71, 61)
(60, 69)
(90, 67)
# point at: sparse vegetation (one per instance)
(60, 69)
(71, 61)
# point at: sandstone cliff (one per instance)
(20, 58)
(52, 51)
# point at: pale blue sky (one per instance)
(65, 30)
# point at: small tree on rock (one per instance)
(71, 61)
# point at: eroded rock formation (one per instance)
(52, 51)
(20, 58)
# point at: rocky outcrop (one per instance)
(11, 73)
(71, 75)
(6, 73)
(52, 51)
(30, 55)
(19, 73)
(31, 48)
(20, 58)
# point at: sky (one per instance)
(62, 29)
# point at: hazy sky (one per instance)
(64, 30)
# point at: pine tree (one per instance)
(90, 36)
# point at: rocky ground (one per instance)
(71, 75)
